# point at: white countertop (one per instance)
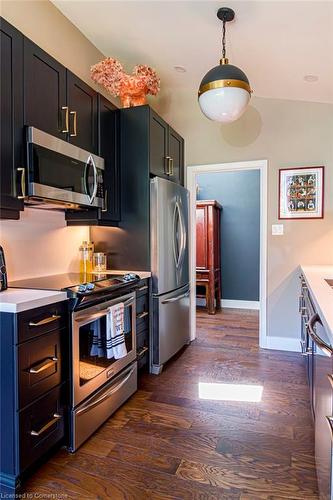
(321, 293)
(16, 300)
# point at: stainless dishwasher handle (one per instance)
(107, 394)
(317, 340)
(330, 423)
(142, 315)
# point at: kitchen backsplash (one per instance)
(40, 243)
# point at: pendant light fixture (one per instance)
(225, 90)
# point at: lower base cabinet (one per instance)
(33, 390)
(142, 324)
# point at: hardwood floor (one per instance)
(167, 443)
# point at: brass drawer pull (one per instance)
(74, 133)
(167, 165)
(142, 352)
(44, 365)
(142, 315)
(22, 195)
(171, 166)
(54, 317)
(55, 419)
(66, 129)
(143, 288)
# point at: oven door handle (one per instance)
(105, 396)
(89, 316)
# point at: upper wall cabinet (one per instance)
(56, 101)
(166, 150)
(82, 120)
(11, 134)
(44, 91)
(165, 146)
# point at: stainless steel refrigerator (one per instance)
(169, 241)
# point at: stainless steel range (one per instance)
(100, 380)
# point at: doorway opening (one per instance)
(248, 288)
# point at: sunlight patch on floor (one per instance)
(230, 392)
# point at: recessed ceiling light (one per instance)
(180, 69)
(311, 78)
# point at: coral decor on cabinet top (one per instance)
(132, 89)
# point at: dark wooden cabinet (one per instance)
(33, 388)
(208, 252)
(11, 83)
(82, 120)
(166, 148)
(56, 101)
(44, 91)
(176, 153)
(142, 324)
(108, 148)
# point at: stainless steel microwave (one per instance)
(61, 175)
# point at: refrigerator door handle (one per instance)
(176, 252)
(175, 299)
(183, 237)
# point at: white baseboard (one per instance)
(283, 344)
(235, 304)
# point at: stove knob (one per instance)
(90, 286)
(82, 288)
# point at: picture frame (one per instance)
(301, 193)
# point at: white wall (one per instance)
(40, 244)
(287, 134)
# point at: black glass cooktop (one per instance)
(64, 281)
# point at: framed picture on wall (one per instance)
(301, 193)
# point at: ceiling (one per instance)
(276, 43)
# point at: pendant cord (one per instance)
(223, 40)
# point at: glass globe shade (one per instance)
(225, 104)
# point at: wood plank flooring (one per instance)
(167, 443)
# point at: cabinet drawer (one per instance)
(142, 289)
(42, 425)
(41, 320)
(39, 366)
(142, 348)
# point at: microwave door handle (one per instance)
(90, 161)
(95, 181)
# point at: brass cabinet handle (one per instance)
(55, 419)
(142, 315)
(74, 133)
(66, 129)
(171, 166)
(105, 204)
(167, 165)
(145, 287)
(44, 365)
(54, 317)
(22, 170)
(142, 352)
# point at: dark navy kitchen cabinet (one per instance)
(166, 148)
(33, 389)
(82, 119)
(11, 83)
(44, 92)
(56, 101)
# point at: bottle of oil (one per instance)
(86, 258)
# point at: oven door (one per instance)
(93, 360)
